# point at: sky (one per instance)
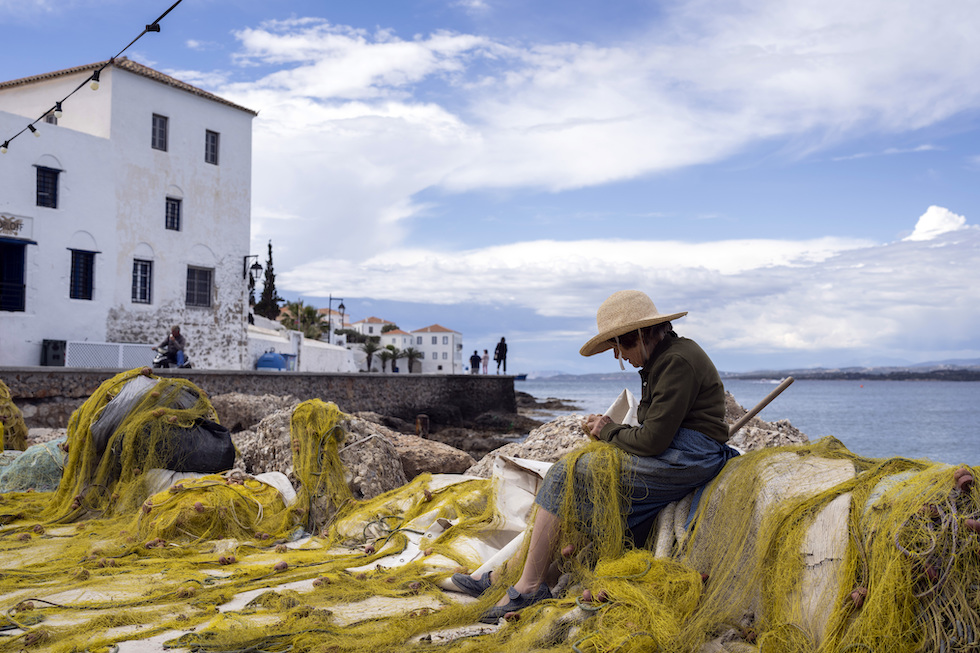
(801, 177)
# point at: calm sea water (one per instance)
(936, 420)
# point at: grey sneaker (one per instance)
(517, 602)
(472, 587)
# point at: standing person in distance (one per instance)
(485, 360)
(475, 363)
(500, 355)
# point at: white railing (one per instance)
(107, 354)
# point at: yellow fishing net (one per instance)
(13, 430)
(807, 548)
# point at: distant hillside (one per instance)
(948, 370)
(962, 370)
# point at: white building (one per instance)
(397, 338)
(129, 214)
(442, 349)
(370, 326)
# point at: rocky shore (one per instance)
(383, 452)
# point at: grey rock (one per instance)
(546, 443)
(239, 412)
(417, 455)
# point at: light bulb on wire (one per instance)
(3, 148)
(95, 81)
(57, 109)
(34, 131)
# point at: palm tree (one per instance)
(299, 317)
(396, 353)
(411, 354)
(369, 348)
(385, 355)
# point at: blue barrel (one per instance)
(270, 360)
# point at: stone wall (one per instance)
(47, 396)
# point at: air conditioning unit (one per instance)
(53, 353)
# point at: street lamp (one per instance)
(330, 301)
(255, 269)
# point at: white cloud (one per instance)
(765, 297)
(551, 277)
(370, 119)
(936, 221)
(890, 151)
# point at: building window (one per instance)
(445, 340)
(445, 356)
(210, 147)
(198, 287)
(418, 340)
(142, 281)
(435, 340)
(435, 356)
(173, 214)
(158, 139)
(82, 274)
(370, 329)
(50, 118)
(13, 290)
(47, 187)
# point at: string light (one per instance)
(152, 27)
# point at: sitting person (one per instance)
(174, 343)
(678, 446)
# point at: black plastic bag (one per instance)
(205, 447)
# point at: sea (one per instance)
(934, 420)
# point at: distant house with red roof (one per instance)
(370, 326)
(398, 339)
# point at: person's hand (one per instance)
(595, 423)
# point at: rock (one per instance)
(238, 412)
(759, 434)
(476, 444)
(547, 443)
(43, 434)
(417, 455)
(376, 458)
(505, 422)
(372, 464)
(266, 447)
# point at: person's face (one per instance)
(633, 355)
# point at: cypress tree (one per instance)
(268, 305)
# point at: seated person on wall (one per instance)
(174, 343)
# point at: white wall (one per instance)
(83, 219)
(312, 355)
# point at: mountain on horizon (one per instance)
(967, 364)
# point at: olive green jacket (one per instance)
(681, 389)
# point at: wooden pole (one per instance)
(733, 429)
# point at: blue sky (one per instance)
(801, 177)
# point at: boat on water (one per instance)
(520, 377)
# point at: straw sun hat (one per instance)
(624, 311)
